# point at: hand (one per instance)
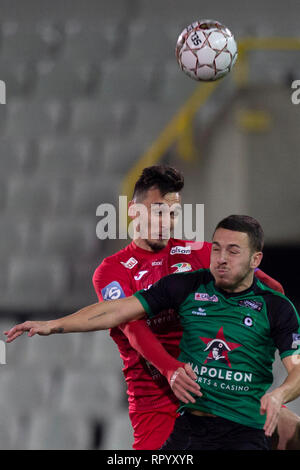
(42, 328)
(182, 382)
(271, 404)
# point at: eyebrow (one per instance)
(231, 245)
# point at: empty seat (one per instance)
(67, 156)
(89, 193)
(35, 118)
(23, 389)
(97, 119)
(9, 428)
(150, 42)
(14, 234)
(175, 87)
(91, 392)
(89, 42)
(19, 76)
(18, 156)
(30, 196)
(52, 430)
(35, 283)
(129, 79)
(53, 352)
(118, 433)
(120, 156)
(68, 236)
(103, 352)
(66, 79)
(32, 42)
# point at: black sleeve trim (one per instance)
(284, 323)
(171, 291)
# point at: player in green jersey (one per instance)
(232, 325)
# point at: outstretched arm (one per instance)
(98, 316)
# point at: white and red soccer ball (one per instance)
(206, 50)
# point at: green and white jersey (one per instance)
(229, 339)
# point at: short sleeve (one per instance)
(110, 281)
(168, 292)
(285, 325)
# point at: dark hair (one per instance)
(165, 178)
(246, 224)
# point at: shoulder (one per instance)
(114, 263)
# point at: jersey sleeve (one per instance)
(168, 292)
(284, 325)
(111, 282)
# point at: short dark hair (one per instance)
(165, 178)
(246, 224)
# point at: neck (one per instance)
(153, 247)
(242, 285)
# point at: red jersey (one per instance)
(128, 271)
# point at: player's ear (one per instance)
(131, 212)
(256, 259)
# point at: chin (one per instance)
(157, 245)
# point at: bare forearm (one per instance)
(290, 388)
(98, 316)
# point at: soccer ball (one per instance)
(206, 50)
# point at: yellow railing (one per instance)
(180, 127)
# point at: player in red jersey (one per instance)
(152, 404)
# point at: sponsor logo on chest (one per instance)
(181, 250)
(203, 297)
(130, 263)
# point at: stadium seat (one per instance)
(18, 156)
(30, 41)
(46, 118)
(89, 193)
(10, 427)
(90, 392)
(66, 79)
(35, 282)
(118, 157)
(19, 77)
(23, 389)
(52, 430)
(67, 156)
(30, 196)
(55, 352)
(92, 43)
(68, 237)
(103, 352)
(118, 434)
(127, 79)
(158, 44)
(14, 234)
(96, 119)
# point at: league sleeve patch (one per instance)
(296, 341)
(112, 291)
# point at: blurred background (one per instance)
(90, 89)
